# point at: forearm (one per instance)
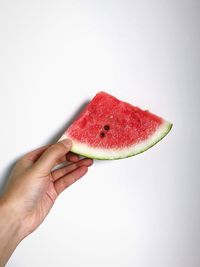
(9, 233)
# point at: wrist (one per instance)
(9, 232)
(10, 222)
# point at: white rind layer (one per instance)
(99, 153)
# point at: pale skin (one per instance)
(32, 189)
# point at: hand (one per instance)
(33, 186)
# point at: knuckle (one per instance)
(58, 147)
(62, 172)
(63, 184)
(22, 159)
(73, 179)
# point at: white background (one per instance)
(55, 55)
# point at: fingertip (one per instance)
(74, 158)
(67, 143)
(89, 162)
(83, 169)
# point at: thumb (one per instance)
(51, 155)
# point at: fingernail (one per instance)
(67, 143)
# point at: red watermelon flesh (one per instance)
(111, 129)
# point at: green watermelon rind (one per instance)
(114, 154)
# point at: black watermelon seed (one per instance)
(106, 127)
(102, 134)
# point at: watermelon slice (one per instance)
(112, 129)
